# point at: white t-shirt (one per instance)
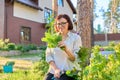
(59, 56)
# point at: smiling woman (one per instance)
(63, 57)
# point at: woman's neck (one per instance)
(64, 35)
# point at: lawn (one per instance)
(22, 69)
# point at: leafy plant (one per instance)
(18, 47)
(11, 46)
(52, 39)
(101, 68)
(25, 48)
(42, 47)
(73, 73)
(40, 67)
(32, 47)
(83, 57)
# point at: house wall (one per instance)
(14, 25)
(66, 10)
(45, 4)
(2, 8)
(26, 12)
(18, 15)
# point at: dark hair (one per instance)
(65, 16)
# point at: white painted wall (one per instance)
(66, 10)
(26, 12)
(45, 4)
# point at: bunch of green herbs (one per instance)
(51, 37)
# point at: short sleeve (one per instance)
(49, 55)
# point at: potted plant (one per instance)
(8, 67)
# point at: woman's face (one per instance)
(62, 25)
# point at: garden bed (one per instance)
(16, 52)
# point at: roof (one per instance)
(30, 3)
(71, 6)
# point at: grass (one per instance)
(20, 75)
(23, 64)
(21, 71)
(22, 68)
(20, 61)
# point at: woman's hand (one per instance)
(57, 73)
(71, 56)
(61, 44)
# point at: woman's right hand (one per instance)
(57, 73)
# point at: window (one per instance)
(47, 14)
(25, 34)
(60, 3)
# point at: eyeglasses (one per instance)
(62, 24)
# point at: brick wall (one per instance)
(14, 25)
(2, 8)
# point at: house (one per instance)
(23, 21)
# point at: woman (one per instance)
(61, 60)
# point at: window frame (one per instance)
(61, 3)
(49, 11)
(24, 34)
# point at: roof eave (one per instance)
(71, 6)
(30, 5)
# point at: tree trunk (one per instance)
(85, 22)
(113, 20)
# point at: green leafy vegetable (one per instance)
(72, 73)
(52, 39)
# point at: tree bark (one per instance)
(85, 22)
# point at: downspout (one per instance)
(6, 17)
(55, 7)
(5, 31)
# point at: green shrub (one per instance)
(40, 67)
(5, 48)
(11, 46)
(43, 47)
(32, 47)
(18, 47)
(25, 48)
(101, 68)
(112, 44)
(83, 56)
(108, 48)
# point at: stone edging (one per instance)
(16, 52)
